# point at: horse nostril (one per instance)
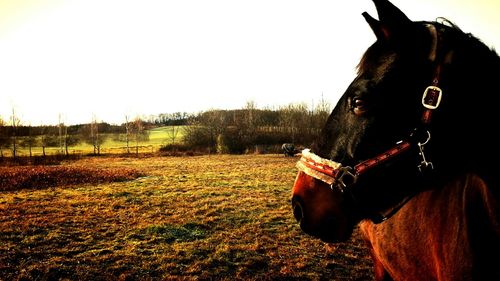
(298, 212)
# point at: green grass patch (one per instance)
(176, 233)
(113, 144)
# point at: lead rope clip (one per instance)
(424, 164)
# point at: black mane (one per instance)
(458, 37)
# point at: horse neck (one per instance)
(467, 131)
(477, 68)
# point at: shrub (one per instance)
(221, 145)
(197, 137)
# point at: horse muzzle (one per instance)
(318, 211)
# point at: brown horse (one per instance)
(410, 155)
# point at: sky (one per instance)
(71, 60)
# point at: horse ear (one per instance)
(390, 14)
(381, 32)
(391, 20)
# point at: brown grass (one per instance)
(36, 177)
(189, 218)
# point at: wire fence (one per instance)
(39, 151)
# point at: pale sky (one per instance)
(109, 58)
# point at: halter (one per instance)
(343, 178)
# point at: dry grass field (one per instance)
(164, 218)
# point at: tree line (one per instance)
(250, 129)
(224, 131)
(14, 135)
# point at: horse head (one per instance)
(417, 113)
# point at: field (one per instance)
(179, 218)
(157, 137)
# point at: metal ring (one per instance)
(427, 140)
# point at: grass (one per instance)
(157, 137)
(163, 135)
(14, 178)
(187, 218)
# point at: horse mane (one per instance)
(446, 22)
(460, 38)
(471, 44)
(476, 68)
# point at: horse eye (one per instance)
(358, 106)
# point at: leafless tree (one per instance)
(48, 138)
(294, 121)
(139, 132)
(216, 122)
(174, 128)
(205, 128)
(94, 134)
(4, 137)
(174, 131)
(127, 132)
(15, 123)
(251, 122)
(66, 139)
(63, 131)
(90, 134)
(70, 140)
(43, 139)
(320, 115)
(29, 141)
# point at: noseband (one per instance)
(343, 178)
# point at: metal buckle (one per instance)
(429, 99)
(345, 177)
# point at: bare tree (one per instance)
(174, 128)
(296, 120)
(216, 122)
(15, 123)
(320, 115)
(48, 138)
(90, 134)
(63, 131)
(174, 131)
(70, 140)
(43, 139)
(139, 132)
(4, 136)
(250, 123)
(94, 134)
(29, 141)
(66, 139)
(127, 132)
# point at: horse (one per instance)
(409, 155)
(289, 149)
